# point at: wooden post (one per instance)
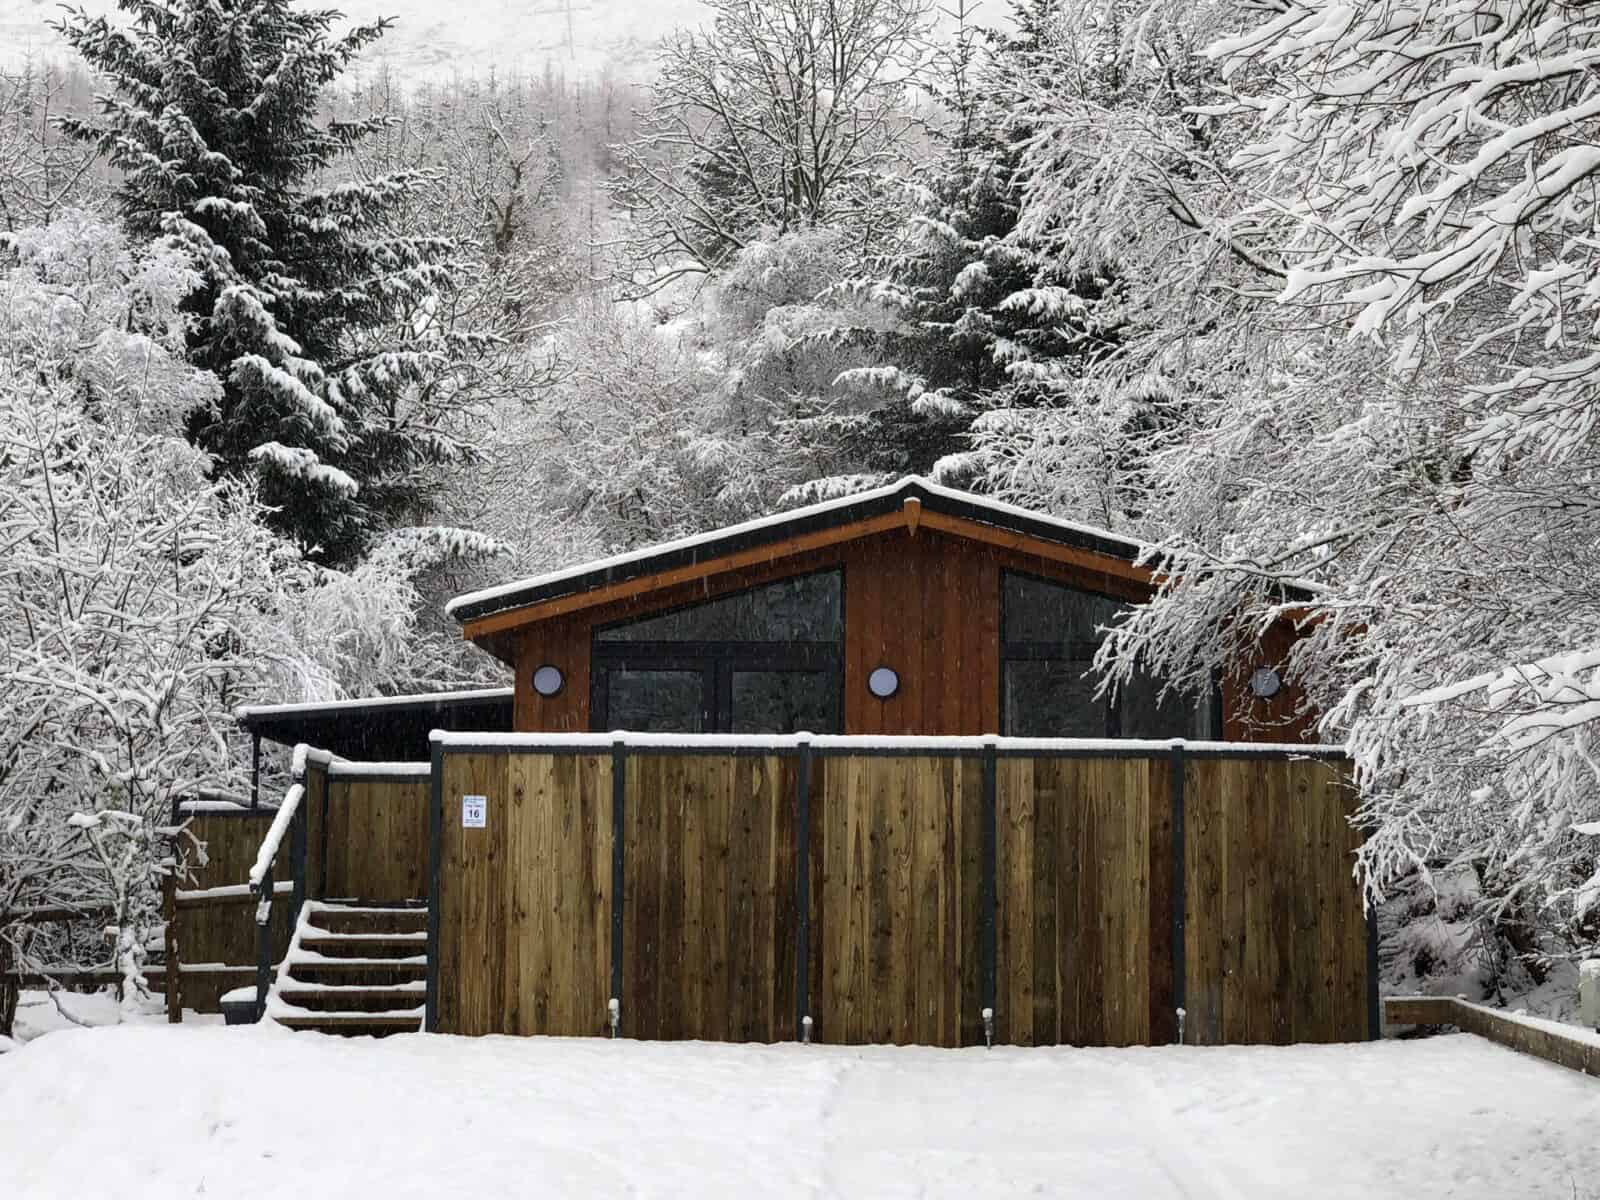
(264, 942)
(169, 909)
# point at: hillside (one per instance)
(439, 39)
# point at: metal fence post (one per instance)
(1180, 902)
(255, 771)
(987, 920)
(803, 1024)
(264, 941)
(430, 1011)
(619, 799)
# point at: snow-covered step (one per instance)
(353, 969)
(367, 919)
(409, 1021)
(321, 998)
(362, 945)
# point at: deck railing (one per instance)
(308, 772)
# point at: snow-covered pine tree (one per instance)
(983, 317)
(341, 413)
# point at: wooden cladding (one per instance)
(523, 905)
(224, 934)
(377, 839)
(1084, 929)
(1088, 934)
(709, 929)
(1275, 940)
(925, 603)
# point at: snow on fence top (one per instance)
(344, 768)
(874, 742)
(909, 483)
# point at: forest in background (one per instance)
(1298, 294)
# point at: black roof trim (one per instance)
(804, 521)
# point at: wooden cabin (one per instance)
(911, 609)
(839, 774)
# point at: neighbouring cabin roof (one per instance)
(913, 500)
(382, 728)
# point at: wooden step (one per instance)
(363, 945)
(357, 997)
(354, 971)
(342, 919)
(350, 1023)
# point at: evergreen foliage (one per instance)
(340, 412)
(984, 317)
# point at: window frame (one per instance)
(1074, 652)
(716, 661)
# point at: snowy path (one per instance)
(262, 1112)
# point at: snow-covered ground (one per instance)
(256, 1112)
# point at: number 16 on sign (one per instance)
(474, 812)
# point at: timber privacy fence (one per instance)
(941, 891)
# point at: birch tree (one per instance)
(780, 116)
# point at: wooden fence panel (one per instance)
(225, 933)
(899, 860)
(377, 837)
(524, 904)
(1275, 932)
(709, 919)
(1081, 845)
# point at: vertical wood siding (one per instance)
(225, 933)
(1274, 931)
(709, 918)
(377, 838)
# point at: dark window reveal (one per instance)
(1049, 634)
(656, 701)
(807, 608)
(766, 660)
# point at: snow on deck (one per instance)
(259, 1112)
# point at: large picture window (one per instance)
(765, 660)
(1049, 634)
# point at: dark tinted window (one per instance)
(807, 608)
(785, 701)
(1051, 698)
(1047, 613)
(655, 701)
(1049, 636)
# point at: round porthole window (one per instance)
(1265, 682)
(548, 680)
(883, 682)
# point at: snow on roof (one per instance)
(913, 484)
(462, 697)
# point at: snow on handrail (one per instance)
(274, 838)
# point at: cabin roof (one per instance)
(855, 509)
(379, 727)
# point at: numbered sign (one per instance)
(474, 812)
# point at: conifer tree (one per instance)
(340, 412)
(985, 317)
